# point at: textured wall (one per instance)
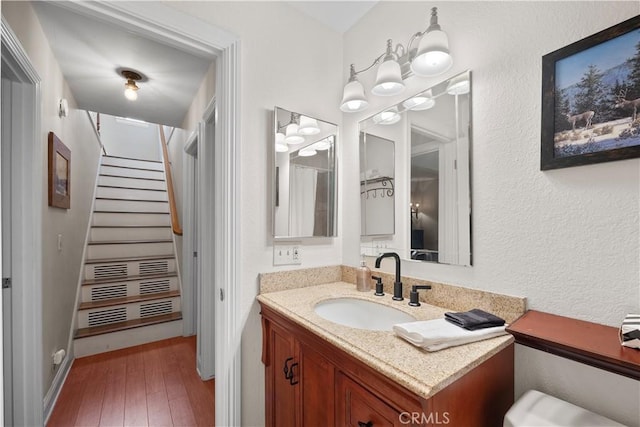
(60, 269)
(568, 239)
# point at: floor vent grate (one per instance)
(104, 317)
(154, 267)
(155, 286)
(109, 271)
(108, 292)
(155, 308)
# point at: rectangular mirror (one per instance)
(377, 194)
(304, 176)
(433, 129)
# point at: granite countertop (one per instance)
(424, 373)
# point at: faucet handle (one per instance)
(379, 286)
(413, 295)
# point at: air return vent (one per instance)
(155, 286)
(154, 267)
(109, 271)
(155, 308)
(108, 292)
(104, 317)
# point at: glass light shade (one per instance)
(389, 79)
(420, 102)
(279, 138)
(308, 126)
(281, 147)
(459, 86)
(433, 56)
(130, 94)
(292, 136)
(353, 99)
(323, 144)
(387, 117)
(307, 152)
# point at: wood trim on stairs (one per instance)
(175, 221)
(128, 300)
(129, 324)
(129, 259)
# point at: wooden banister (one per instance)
(175, 221)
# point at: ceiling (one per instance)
(337, 15)
(90, 51)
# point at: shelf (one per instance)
(585, 342)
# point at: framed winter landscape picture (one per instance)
(591, 99)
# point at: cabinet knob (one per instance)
(363, 424)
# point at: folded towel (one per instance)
(434, 335)
(474, 319)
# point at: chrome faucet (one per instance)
(397, 286)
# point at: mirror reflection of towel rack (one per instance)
(385, 187)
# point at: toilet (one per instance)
(536, 409)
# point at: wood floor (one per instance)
(152, 385)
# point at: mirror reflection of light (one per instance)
(282, 148)
(308, 126)
(387, 117)
(307, 152)
(459, 86)
(323, 144)
(292, 135)
(420, 102)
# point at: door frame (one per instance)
(27, 176)
(191, 34)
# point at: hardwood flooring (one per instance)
(151, 385)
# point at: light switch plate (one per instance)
(287, 254)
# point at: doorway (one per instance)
(21, 217)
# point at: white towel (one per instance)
(438, 334)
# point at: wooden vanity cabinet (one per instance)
(310, 382)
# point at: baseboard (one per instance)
(127, 338)
(54, 391)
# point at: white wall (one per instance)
(291, 61)
(133, 139)
(60, 269)
(568, 239)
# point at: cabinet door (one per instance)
(282, 387)
(357, 407)
(317, 381)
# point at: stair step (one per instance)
(128, 300)
(130, 194)
(142, 206)
(131, 158)
(124, 268)
(132, 177)
(92, 282)
(139, 183)
(111, 232)
(109, 170)
(131, 188)
(129, 324)
(123, 312)
(130, 219)
(132, 168)
(128, 249)
(128, 242)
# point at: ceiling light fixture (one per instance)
(430, 58)
(131, 89)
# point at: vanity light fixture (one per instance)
(292, 133)
(430, 58)
(131, 89)
(420, 102)
(414, 209)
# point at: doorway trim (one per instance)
(189, 33)
(27, 240)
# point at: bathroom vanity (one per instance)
(321, 373)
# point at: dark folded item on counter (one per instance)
(474, 319)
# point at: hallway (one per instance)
(154, 384)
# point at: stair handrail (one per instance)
(96, 130)
(175, 221)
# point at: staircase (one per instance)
(130, 291)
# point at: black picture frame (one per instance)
(561, 147)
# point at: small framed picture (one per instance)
(591, 99)
(59, 173)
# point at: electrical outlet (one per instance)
(288, 254)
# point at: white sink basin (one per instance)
(361, 314)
